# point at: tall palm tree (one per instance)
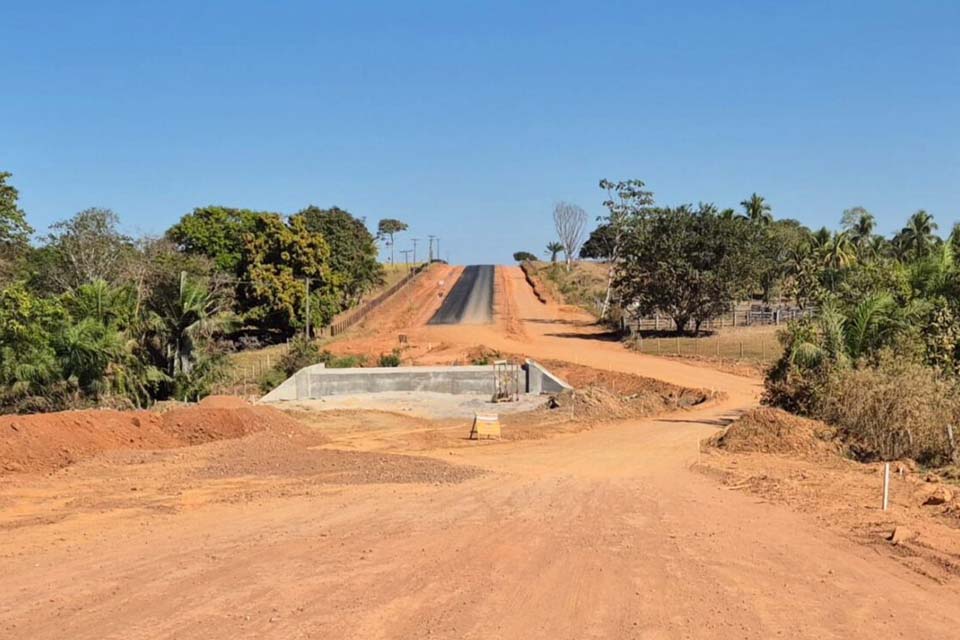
(838, 252)
(183, 317)
(860, 225)
(918, 237)
(554, 248)
(757, 210)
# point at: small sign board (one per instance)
(485, 426)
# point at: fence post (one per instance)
(741, 349)
(678, 344)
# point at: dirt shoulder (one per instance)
(784, 459)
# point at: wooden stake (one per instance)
(886, 485)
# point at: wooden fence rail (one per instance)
(343, 321)
(737, 318)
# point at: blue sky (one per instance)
(469, 120)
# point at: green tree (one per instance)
(388, 228)
(14, 230)
(353, 250)
(87, 247)
(859, 225)
(756, 210)
(627, 204)
(553, 249)
(282, 262)
(524, 256)
(690, 264)
(28, 360)
(215, 232)
(917, 238)
(600, 244)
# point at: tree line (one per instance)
(879, 353)
(89, 314)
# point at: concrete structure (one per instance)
(318, 382)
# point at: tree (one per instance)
(628, 202)
(388, 227)
(600, 244)
(917, 238)
(353, 250)
(14, 230)
(569, 221)
(85, 248)
(524, 256)
(554, 248)
(774, 247)
(282, 262)
(215, 232)
(690, 264)
(859, 225)
(757, 210)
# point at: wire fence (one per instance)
(759, 348)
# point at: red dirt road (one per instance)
(598, 534)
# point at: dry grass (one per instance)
(584, 285)
(896, 410)
(757, 345)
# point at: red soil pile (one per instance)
(45, 442)
(768, 430)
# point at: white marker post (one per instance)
(886, 485)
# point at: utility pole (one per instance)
(307, 285)
(406, 256)
(439, 257)
(415, 241)
(431, 238)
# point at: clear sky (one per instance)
(469, 120)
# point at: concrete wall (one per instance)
(317, 381)
(539, 380)
(332, 382)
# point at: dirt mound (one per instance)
(44, 442)
(768, 430)
(223, 402)
(295, 454)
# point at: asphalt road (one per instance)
(470, 301)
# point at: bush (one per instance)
(893, 410)
(302, 353)
(342, 362)
(391, 359)
(272, 379)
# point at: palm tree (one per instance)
(554, 248)
(860, 225)
(182, 318)
(757, 210)
(918, 238)
(838, 252)
(840, 337)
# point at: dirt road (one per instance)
(599, 534)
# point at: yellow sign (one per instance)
(486, 426)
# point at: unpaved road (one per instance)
(599, 534)
(470, 301)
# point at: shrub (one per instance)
(391, 359)
(342, 362)
(302, 353)
(893, 410)
(272, 379)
